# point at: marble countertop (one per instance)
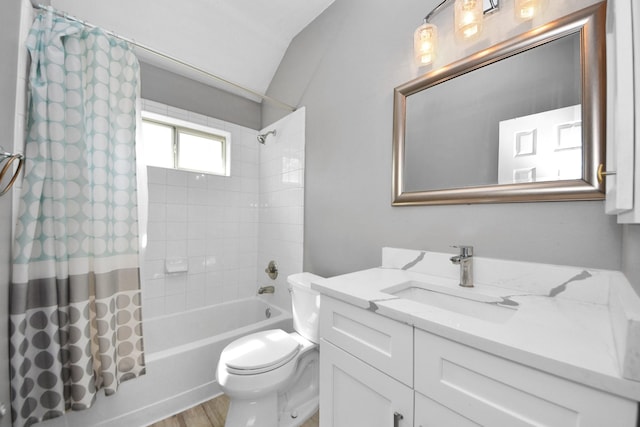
(562, 321)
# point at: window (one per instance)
(178, 144)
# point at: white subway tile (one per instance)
(198, 118)
(246, 290)
(157, 212)
(214, 295)
(229, 292)
(214, 279)
(176, 195)
(152, 288)
(197, 180)
(178, 113)
(196, 248)
(176, 249)
(156, 231)
(212, 264)
(196, 230)
(155, 250)
(216, 123)
(175, 284)
(177, 178)
(196, 299)
(157, 193)
(175, 303)
(197, 196)
(155, 107)
(197, 266)
(197, 213)
(153, 269)
(156, 175)
(153, 307)
(177, 213)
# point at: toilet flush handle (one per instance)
(396, 419)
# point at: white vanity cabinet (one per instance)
(366, 368)
(373, 367)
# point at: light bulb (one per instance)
(526, 9)
(468, 16)
(425, 42)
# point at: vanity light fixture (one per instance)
(526, 9)
(468, 16)
(425, 42)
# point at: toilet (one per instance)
(272, 377)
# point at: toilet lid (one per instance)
(260, 352)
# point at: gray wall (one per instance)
(9, 30)
(172, 89)
(343, 68)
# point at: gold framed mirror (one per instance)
(521, 121)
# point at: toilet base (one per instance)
(289, 408)
(300, 415)
(262, 413)
(253, 412)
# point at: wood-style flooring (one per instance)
(210, 414)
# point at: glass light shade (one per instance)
(527, 9)
(468, 16)
(425, 43)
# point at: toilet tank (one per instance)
(305, 304)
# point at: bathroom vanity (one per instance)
(529, 344)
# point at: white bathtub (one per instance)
(182, 352)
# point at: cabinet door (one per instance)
(354, 394)
(377, 340)
(429, 413)
(493, 391)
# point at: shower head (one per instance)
(262, 138)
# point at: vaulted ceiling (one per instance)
(239, 40)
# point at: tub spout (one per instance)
(266, 290)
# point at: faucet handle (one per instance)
(465, 250)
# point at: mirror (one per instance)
(520, 121)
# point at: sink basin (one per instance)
(468, 302)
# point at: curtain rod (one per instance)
(168, 57)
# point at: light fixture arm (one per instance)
(494, 6)
(435, 10)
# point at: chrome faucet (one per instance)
(465, 260)
(266, 290)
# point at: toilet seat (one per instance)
(260, 352)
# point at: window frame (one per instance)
(194, 129)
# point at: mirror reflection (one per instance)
(513, 121)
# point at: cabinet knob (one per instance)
(396, 419)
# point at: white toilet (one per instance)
(271, 377)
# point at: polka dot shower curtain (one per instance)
(75, 293)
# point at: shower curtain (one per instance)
(75, 315)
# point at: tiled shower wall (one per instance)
(280, 236)
(209, 221)
(225, 227)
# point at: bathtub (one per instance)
(181, 352)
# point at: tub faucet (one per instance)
(465, 260)
(266, 289)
